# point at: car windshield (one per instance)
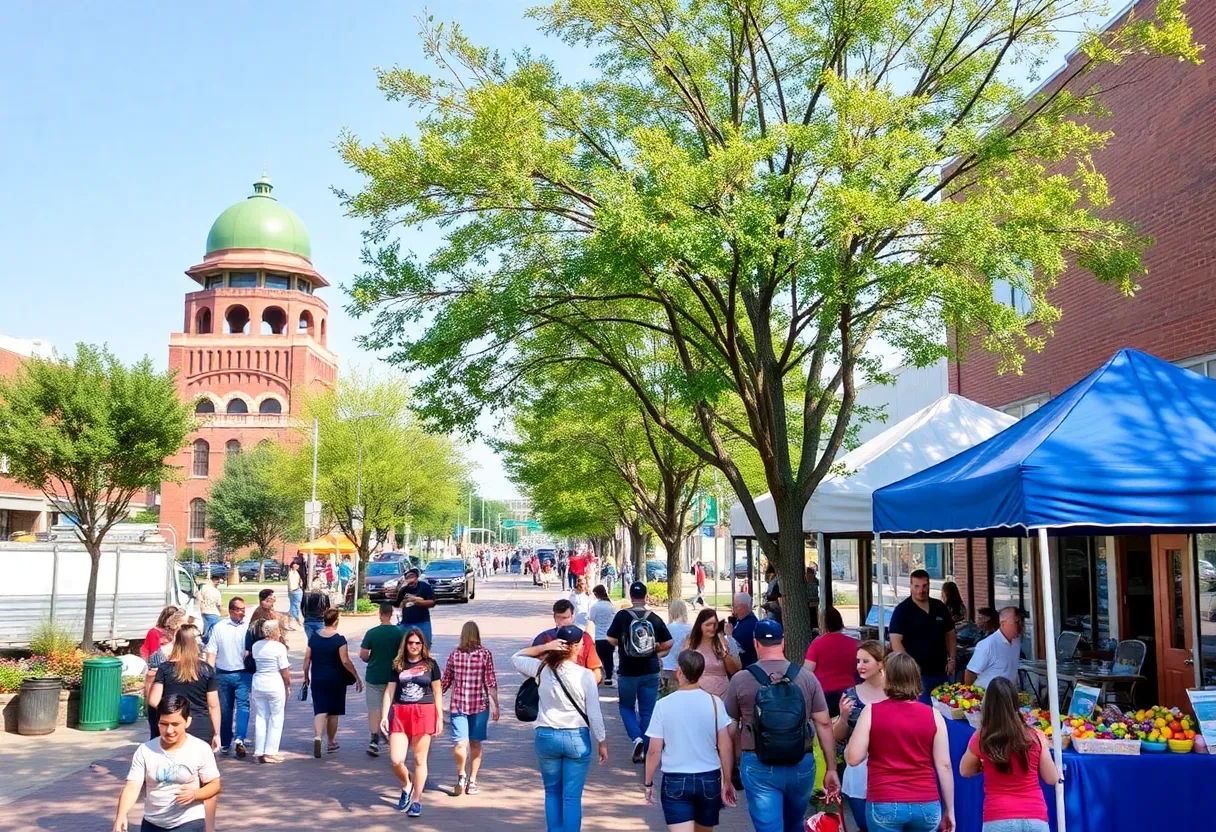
(384, 569)
(445, 567)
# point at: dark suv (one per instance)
(383, 578)
(451, 579)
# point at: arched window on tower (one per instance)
(204, 405)
(202, 457)
(233, 447)
(202, 321)
(305, 327)
(237, 320)
(198, 519)
(271, 405)
(238, 405)
(322, 332)
(274, 321)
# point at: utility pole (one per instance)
(313, 513)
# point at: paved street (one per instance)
(354, 790)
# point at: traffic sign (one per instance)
(312, 514)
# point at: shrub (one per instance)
(840, 598)
(364, 605)
(656, 592)
(51, 638)
(12, 673)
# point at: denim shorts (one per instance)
(692, 797)
(467, 727)
(1016, 826)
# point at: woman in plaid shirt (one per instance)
(469, 675)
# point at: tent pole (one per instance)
(825, 570)
(1053, 677)
(882, 621)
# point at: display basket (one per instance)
(948, 712)
(1096, 746)
(974, 718)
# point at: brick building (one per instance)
(22, 509)
(253, 340)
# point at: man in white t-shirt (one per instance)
(179, 772)
(689, 740)
(999, 653)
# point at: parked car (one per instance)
(201, 571)
(383, 578)
(451, 579)
(655, 571)
(1207, 573)
(248, 569)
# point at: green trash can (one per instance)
(100, 693)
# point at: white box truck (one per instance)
(49, 580)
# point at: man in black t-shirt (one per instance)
(638, 675)
(923, 628)
(415, 598)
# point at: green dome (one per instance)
(260, 222)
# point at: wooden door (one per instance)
(1173, 579)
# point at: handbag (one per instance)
(828, 821)
(304, 692)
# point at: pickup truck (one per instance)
(49, 580)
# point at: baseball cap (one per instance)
(637, 589)
(769, 631)
(413, 570)
(569, 634)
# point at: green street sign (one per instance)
(705, 512)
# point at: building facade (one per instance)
(253, 342)
(23, 510)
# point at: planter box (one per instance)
(69, 710)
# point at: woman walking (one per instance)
(166, 630)
(413, 713)
(1013, 757)
(600, 615)
(832, 658)
(869, 658)
(690, 741)
(906, 743)
(269, 692)
(678, 626)
(720, 652)
(569, 718)
(469, 675)
(161, 633)
(953, 599)
(184, 673)
(328, 672)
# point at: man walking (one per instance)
(344, 575)
(577, 567)
(642, 638)
(379, 649)
(698, 576)
(564, 616)
(316, 602)
(777, 766)
(741, 626)
(415, 598)
(226, 653)
(923, 628)
(209, 600)
(295, 596)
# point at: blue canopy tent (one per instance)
(1131, 447)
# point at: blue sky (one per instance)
(127, 132)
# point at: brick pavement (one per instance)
(350, 788)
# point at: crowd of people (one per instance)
(713, 706)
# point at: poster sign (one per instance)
(1084, 700)
(1204, 703)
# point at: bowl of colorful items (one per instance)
(1041, 719)
(1159, 728)
(1105, 731)
(958, 701)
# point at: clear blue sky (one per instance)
(129, 127)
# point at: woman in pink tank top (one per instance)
(1013, 757)
(908, 756)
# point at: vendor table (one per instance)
(1104, 792)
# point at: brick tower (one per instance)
(252, 341)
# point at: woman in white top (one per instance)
(690, 740)
(569, 718)
(582, 600)
(872, 690)
(678, 626)
(601, 614)
(269, 692)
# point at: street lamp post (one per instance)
(357, 514)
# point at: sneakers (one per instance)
(461, 783)
(415, 810)
(316, 747)
(471, 788)
(226, 750)
(608, 683)
(403, 802)
(639, 752)
(239, 746)
(373, 747)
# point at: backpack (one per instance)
(639, 640)
(779, 719)
(527, 700)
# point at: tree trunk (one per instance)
(90, 598)
(637, 547)
(261, 566)
(789, 561)
(675, 577)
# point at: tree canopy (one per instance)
(248, 508)
(764, 188)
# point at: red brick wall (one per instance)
(1161, 169)
(10, 363)
(979, 553)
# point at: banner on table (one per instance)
(1084, 700)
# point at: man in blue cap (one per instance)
(642, 638)
(778, 764)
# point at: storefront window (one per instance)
(1012, 584)
(903, 557)
(1102, 592)
(1207, 606)
(1077, 587)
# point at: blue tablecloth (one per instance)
(1105, 793)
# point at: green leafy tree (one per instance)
(247, 508)
(764, 187)
(90, 433)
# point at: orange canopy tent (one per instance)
(333, 543)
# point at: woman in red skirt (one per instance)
(413, 713)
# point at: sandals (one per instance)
(271, 758)
(333, 748)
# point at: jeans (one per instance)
(565, 756)
(210, 619)
(777, 796)
(904, 817)
(636, 701)
(1016, 826)
(268, 709)
(607, 654)
(234, 690)
(424, 626)
(928, 683)
(312, 626)
(294, 598)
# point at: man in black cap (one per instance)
(778, 764)
(641, 638)
(415, 598)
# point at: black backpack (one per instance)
(527, 700)
(779, 724)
